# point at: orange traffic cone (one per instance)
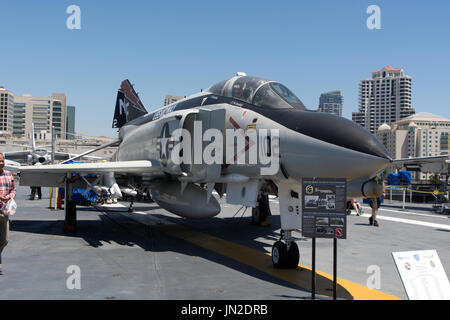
(59, 202)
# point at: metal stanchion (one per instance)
(56, 198)
(313, 271)
(390, 190)
(51, 196)
(334, 268)
(404, 199)
(410, 194)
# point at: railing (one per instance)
(406, 188)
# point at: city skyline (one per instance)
(287, 45)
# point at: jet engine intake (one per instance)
(364, 189)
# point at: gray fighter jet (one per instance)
(39, 154)
(245, 137)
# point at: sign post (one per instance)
(334, 268)
(324, 206)
(313, 280)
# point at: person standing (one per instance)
(7, 192)
(36, 190)
(375, 204)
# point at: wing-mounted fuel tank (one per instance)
(191, 203)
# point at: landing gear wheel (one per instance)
(293, 256)
(130, 209)
(279, 254)
(262, 211)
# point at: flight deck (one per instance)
(152, 254)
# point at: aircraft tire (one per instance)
(293, 256)
(279, 254)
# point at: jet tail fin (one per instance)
(32, 139)
(128, 105)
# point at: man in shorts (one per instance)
(375, 204)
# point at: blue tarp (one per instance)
(393, 179)
(79, 198)
(404, 177)
(400, 178)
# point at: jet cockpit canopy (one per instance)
(258, 91)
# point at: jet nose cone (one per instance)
(341, 132)
(330, 146)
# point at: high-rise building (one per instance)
(70, 123)
(171, 99)
(386, 98)
(19, 119)
(6, 110)
(43, 112)
(59, 110)
(331, 102)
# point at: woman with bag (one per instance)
(7, 205)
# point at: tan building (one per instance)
(171, 99)
(43, 112)
(385, 98)
(419, 135)
(6, 110)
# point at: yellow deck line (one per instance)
(261, 261)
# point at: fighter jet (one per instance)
(12, 166)
(39, 154)
(245, 137)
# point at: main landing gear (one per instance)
(130, 208)
(285, 254)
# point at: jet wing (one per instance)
(12, 166)
(424, 164)
(17, 155)
(66, 156)
(54, 175)
(18, 145)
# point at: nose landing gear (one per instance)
(285, 255)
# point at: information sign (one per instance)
(423, 275)
(324, 208)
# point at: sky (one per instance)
(181, 47)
